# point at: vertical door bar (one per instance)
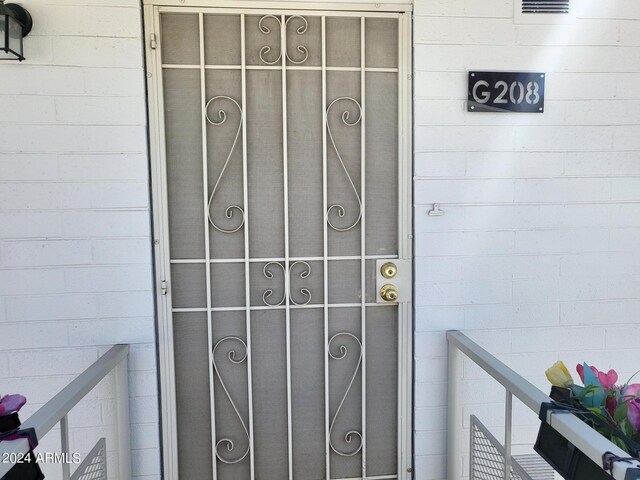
(508, 419)
(123, 419)
(162, 251)
(64, 446)
(287, 277)
(363, 252)
(405, 345)
(207, 253)
(325, 246)
(455, 367)
(247, 264)
(401, 325)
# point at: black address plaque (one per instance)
(506, 92)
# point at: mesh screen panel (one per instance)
(345, 281)
(266, 187)
(382, 399)
(183, 146)
(381, 35)
(307, 374)
(270, 393)
(188, 286)
(192, 395)
(222, 39)
(382, 155)
(305, 163)
(227, 285)
(180, 39)
(343, 42)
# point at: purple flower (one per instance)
(632, 390)
(633, 413)
(11, 403)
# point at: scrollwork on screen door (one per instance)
(268, 273)
(343, 347)
(222, 118)
(336, 208)
(236, 359)
(301, 30)
(342, 353)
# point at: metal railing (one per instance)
(583, 437)
(55, 412)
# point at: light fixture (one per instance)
(15, 23)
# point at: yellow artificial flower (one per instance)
(559, 375)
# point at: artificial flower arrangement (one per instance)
(25, 467)
(612, 409)
(11, 404)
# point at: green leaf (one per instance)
(621, 412)
(626, 428)
(617, 441)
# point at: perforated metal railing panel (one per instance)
(487, 459)
(535, 466)
(94, 466)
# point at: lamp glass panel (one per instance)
(4, 54)
(15, 36)
(3, 22)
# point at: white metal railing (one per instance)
(55, 412)
(583, 437)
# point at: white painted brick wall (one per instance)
(537, 257)
(75, 257)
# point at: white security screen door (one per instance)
(282, 205)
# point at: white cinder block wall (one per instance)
(75, 257)
(536, 256)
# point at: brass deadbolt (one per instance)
(389, 293)
(389, 270)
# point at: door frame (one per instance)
(155, 105)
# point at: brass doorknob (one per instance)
(389, 293)
(389, 270)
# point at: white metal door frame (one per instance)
(152, 10)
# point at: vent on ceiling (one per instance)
(546, 6)
(543, 12)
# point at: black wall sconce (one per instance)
(15, 23)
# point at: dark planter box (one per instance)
(565, 458)
(27, 468)
(9, 422)
(561, 454)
